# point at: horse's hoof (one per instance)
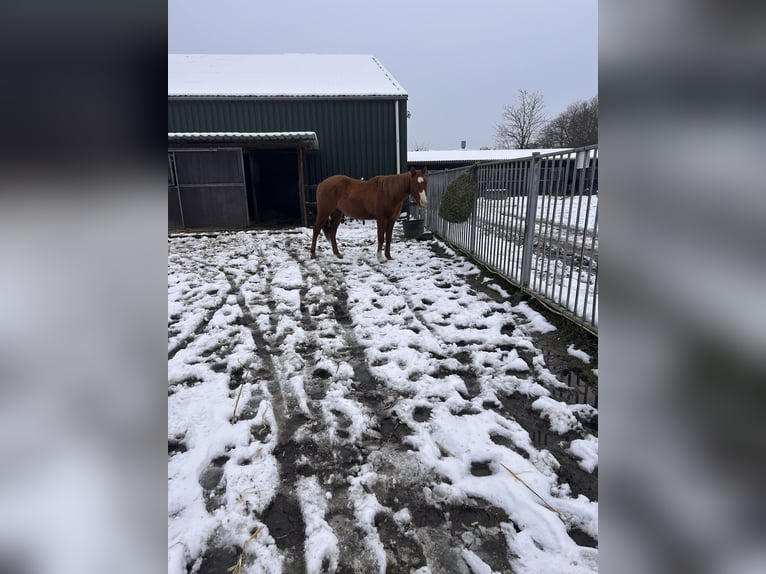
(381, 259)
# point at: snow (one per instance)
(253, 135)
(476, 564)
(562, 417)
(321, 543)
(271, 75)
(307, 138)
(369, 393)
(536, 322)
(564, 227)
(586, 449)
(584, 357)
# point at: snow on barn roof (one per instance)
(308, 139)
(275, 75)
(471, 155)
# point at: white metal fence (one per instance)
(535, 222)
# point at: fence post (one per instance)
(533, 185)
(474, 222)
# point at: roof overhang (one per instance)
(307, 140)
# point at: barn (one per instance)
(251, 135)
(436, 160)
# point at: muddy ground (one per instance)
(309, 437)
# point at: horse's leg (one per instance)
(322, 215)
(335, 220)
(389, 231)
(317, 230)
(381, 232)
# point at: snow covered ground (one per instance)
(565, 255)
(345, 415)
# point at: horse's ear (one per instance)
(425, 170)
(412, 170)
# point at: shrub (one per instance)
(458, 201)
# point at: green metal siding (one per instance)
(356, 137)
(403, 136)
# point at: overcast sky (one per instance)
(459, 61)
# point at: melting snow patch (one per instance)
(536, 322)
(560, 415)
(583, 356)
(586, 449)
(476, 564)
(321, 544)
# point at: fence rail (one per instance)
(535, 222)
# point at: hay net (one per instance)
(457, 203)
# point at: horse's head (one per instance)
(418, 186)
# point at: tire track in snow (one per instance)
(263, 351)
(282, 517)
(396, 543)
(283, 511)
(423, 541)
(328, 300)
(201, 327)
(315, 453)
(440, 544)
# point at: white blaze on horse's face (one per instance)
(422, 199)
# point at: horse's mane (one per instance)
(396, 183)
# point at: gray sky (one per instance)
(459, 61)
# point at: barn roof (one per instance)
(280, 75)
(472, 155)
(306, 139)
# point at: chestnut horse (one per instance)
(380, 198)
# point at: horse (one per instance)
(379, 198)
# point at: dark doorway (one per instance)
(272, 186)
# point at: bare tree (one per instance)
(575, 127)
(420, 146)
(521, 122)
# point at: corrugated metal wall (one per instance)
(210, 189)
(356, 137)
